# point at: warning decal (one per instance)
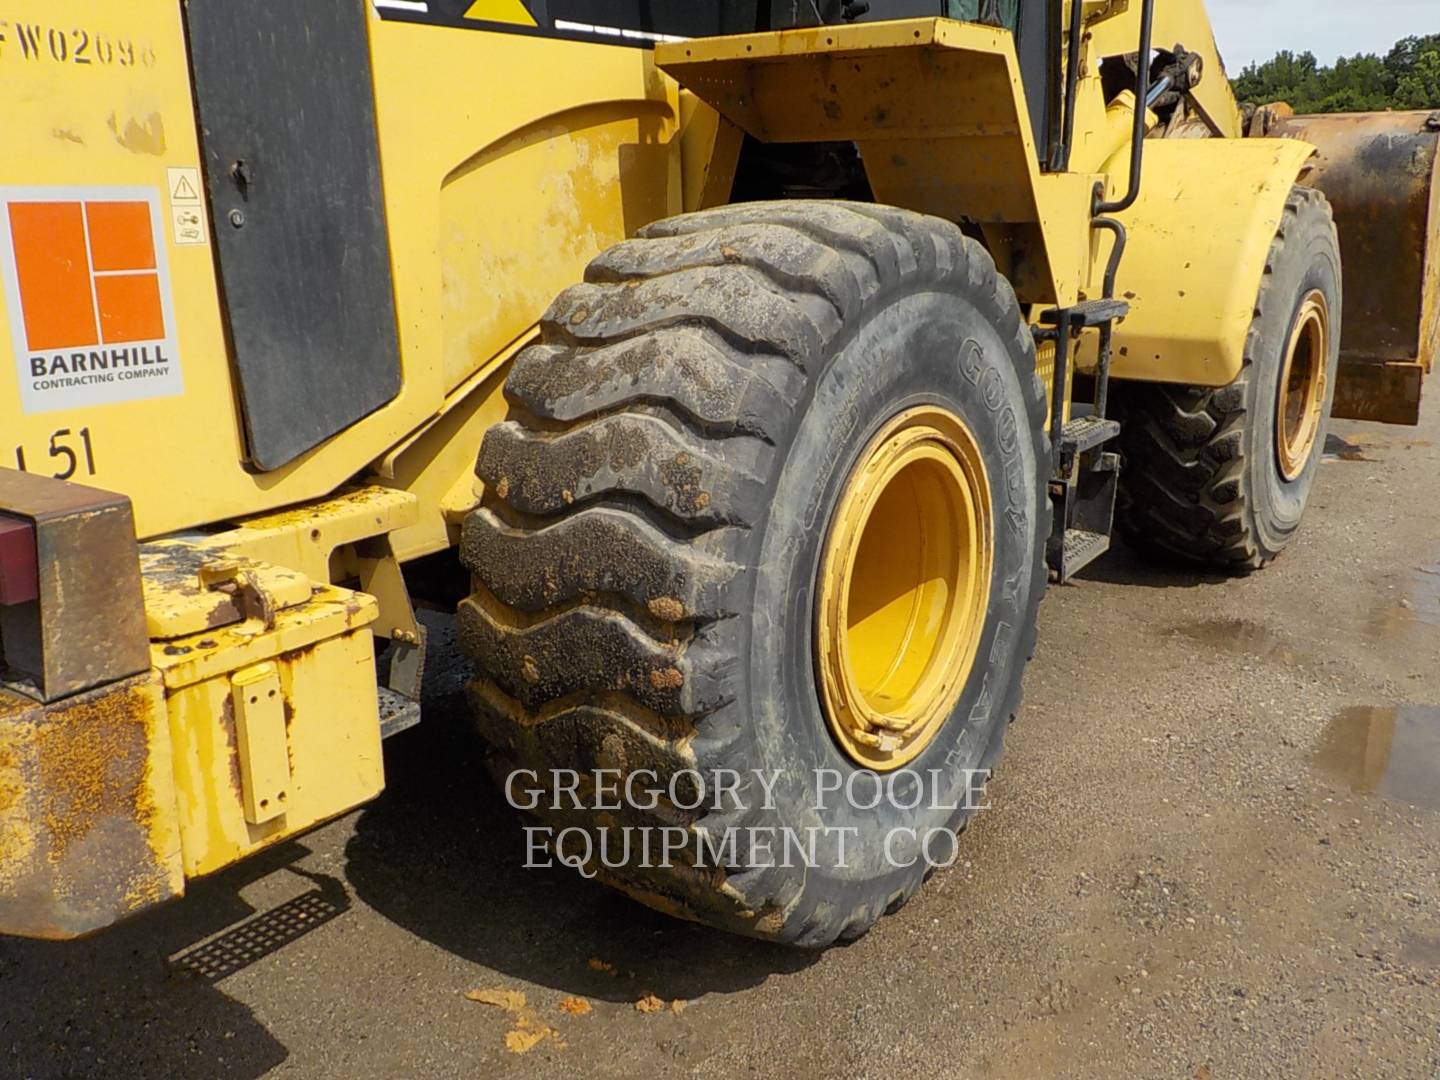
(636, 23)
(87, 292)
(187, 210)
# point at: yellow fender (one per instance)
(1199, 234)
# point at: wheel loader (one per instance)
(752, 366)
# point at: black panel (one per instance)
(288, 130)
(1039, 46)
(791, 13)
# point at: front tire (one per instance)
(1221, 477)
(650, 559)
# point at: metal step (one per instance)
(397, 712)
(1087, 313)
(1081, 549)
(1086, 433)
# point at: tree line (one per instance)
(1408, 77)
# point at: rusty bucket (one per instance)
(1381, 173)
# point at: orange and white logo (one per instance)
(88, 296)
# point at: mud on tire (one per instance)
(644, 563)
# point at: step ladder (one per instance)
(1084, 474)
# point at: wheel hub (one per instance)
(1303, 386)
(904, 586)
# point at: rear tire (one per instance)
(1203, 477)
(646, 560)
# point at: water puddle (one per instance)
(1241, 636)
(1390, 752)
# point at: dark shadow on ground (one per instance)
(442, 855)
(114, 1006)
(1123, 565)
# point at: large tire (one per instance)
(645, 562)
(1202, 479)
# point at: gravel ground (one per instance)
(1214, 852)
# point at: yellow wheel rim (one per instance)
(904, 586)
(1299, 411)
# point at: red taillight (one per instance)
(19, 570)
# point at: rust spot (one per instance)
(502, 488)
(232, 743)
(530, 672)
(702, 500)
(80, 748)
(223, 613)
(78, 815)
(729, 254)
(579, 316)
(666, 608)
(567, 495)
(667, 679)
(12, 705)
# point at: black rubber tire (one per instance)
(1200, 480)
(645, 561)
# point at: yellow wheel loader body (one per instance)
(264, 269)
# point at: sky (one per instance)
(1255, 30)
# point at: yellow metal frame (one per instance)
(935, 105)
(937, 111)
(1199, 235)
(491, 213)
(245, 775)
(470, 282)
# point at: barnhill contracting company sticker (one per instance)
(87, 292)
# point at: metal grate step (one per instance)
(397, 712)
(1081, 549)
(1086, 433)
(1087, 313)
